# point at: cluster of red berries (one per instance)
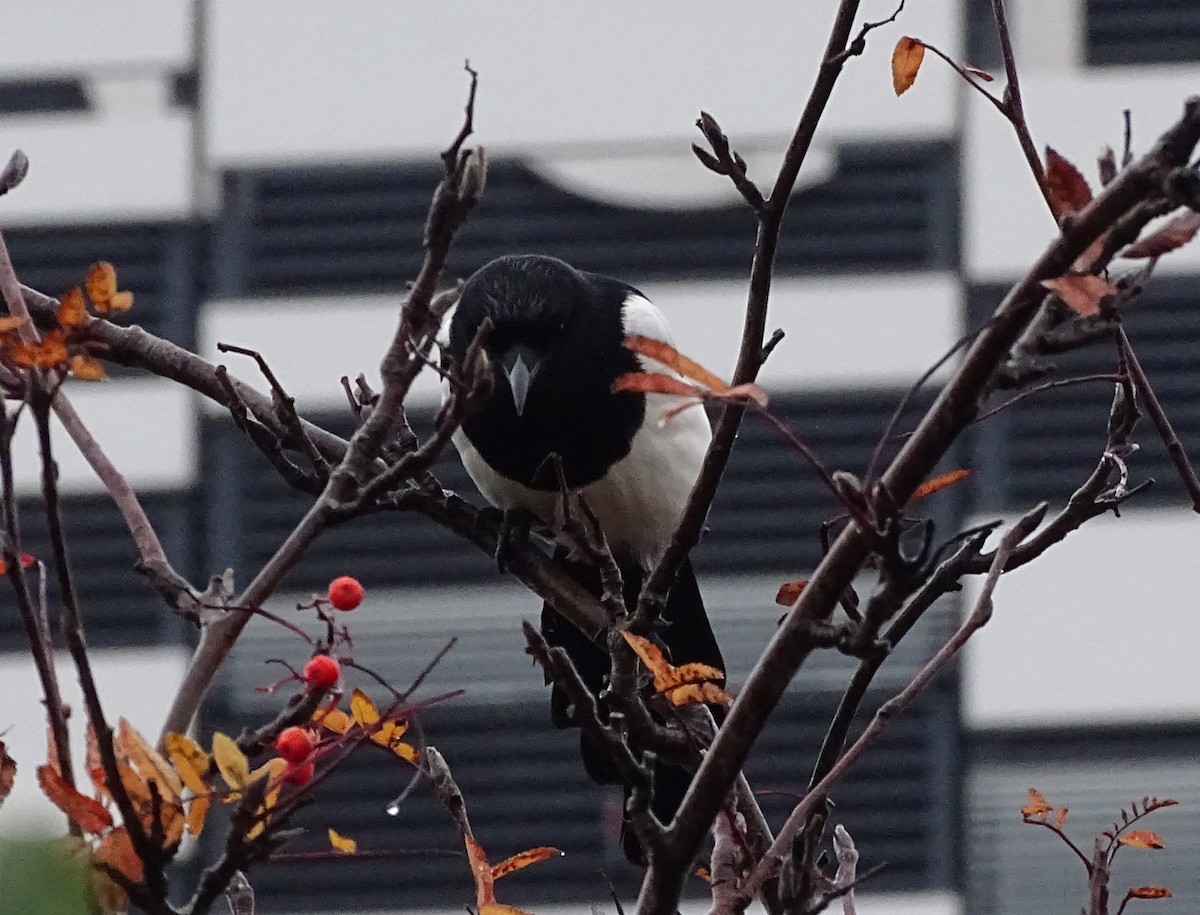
(295, 744)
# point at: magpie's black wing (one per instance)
(687, 637)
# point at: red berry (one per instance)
(322, 672)
(300, 775)
(345, 593)
(294, 744)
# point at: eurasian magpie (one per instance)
(556, 347)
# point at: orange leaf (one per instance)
(122, 301)
(673, 359)
(341, 844)
(1175, 232)
(116, 850)
(1037, 805)
(50, 353)
(789, 591)
(189, 760)
(1060, 817)
(9, 323)
(703, 874)
(906, 61)
(651, 383)
(231, 761)
(86, 368)
(1141, 838)
(363, 709)
(1068, 189)
(101, 284)
(72, 312)
(485, 891)
(90, 815)
(196, 813)
(1149, 892)
(8, 772)
(650, 654)
(934, 484)
(497, 908)
(1082, 294)
(695, 693)
(149, 761)
(693, 672)
(523, 859)
(334, 719)
(750, 391)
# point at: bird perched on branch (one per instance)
(556, 345)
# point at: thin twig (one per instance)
(1158, 416)
(975, 620)
(150, 855)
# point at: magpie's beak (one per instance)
(521, 366)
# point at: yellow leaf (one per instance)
(196, 814)
(231, 761)
(101, 284)
(189, 760)
(86, 368)
(906, 61)
(1141, 838)
(407, 752)
(149, 761)
(496, 908)
(333, 719)
(363, 709)
(390, 732)
(1037, 805)
(341, 844)
(523, 859)
(72, 312)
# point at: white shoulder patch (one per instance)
(641, 317)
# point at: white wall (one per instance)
(1100, 630)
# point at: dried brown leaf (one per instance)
(1082, 294)
(1141, 838)
(906, 62)
(1037, 805)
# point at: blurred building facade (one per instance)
(259, 174)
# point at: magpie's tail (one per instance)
(687, 637)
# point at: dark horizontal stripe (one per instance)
(50, 94)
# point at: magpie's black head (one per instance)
(556, 347)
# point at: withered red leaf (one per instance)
(1068, 188)
(1174, 233)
